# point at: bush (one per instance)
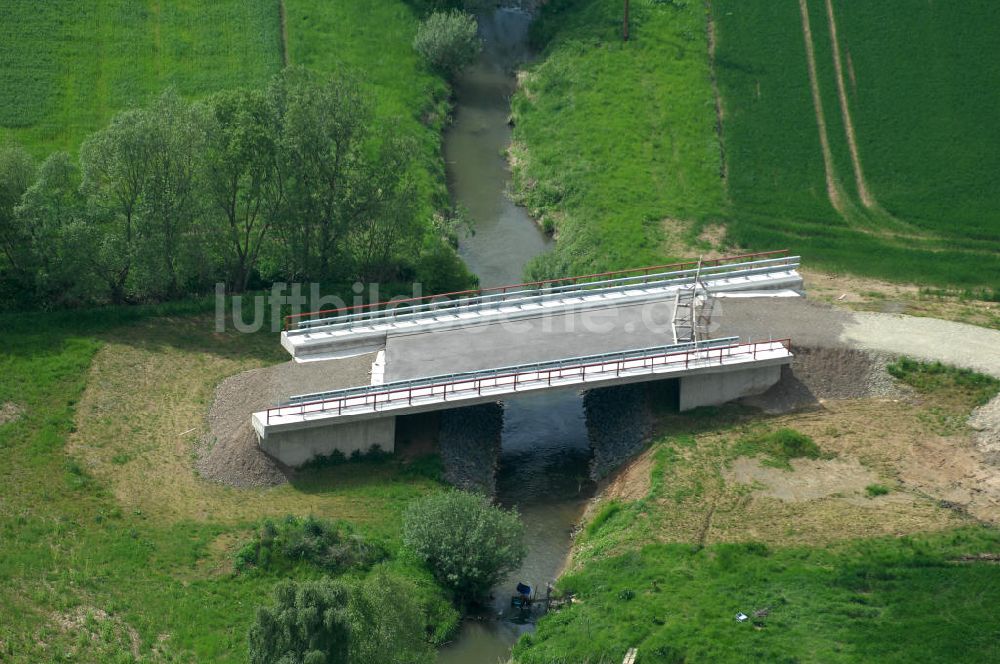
(874, 490)
(448, 41)
(331, 547)
(468, 544)
(780, 446)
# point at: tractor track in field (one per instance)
(833, 188)
(852, 142)
(719, 111)
(283, 18)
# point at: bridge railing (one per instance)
(439, 379)
(537, 375)
(537, 292)
(304, 319)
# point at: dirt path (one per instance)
(852, 143)
(283, 15)
(832, 185)
(719, 111)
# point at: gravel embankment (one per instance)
(985, 421)
(230, 454)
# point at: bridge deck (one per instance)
(351, 332)
(478, 387)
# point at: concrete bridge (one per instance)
(355, 330)
(583, 333)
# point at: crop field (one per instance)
(917, 199)
(68, 66)
(615, 142)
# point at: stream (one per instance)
(545, 451)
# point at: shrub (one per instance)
(780, 446)
(467, 543)
(874, 490)
(448, 41)
(330, 546)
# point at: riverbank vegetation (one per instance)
(626, 151)
(834, 531)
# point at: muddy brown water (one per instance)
(545, 450)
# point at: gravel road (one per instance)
(821, 326)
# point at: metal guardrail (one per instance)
(508, 370)
(308, 319)
(536, 296)
(473, 384)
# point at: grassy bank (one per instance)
(113, 549)
(834, 530)
(69, 66)
(615, 145)
(617, 149)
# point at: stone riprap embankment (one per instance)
(618, 424)
(469, 440)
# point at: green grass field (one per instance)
(891, 600)
(66, 67)
(92, 571)
(920, 93)
(620, 138)
(70, 66)
(615, 138)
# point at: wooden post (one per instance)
(625, 23)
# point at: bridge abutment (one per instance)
(718, 387)
(299, 446)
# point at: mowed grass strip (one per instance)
(615, 142)
(66, 67)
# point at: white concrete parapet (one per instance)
(391, 399)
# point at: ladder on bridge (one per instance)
(693, 308)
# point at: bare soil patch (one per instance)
(809, 479)
(865, 294)
(10, 412)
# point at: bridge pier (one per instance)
(296, 447)
(469, 440)
(618, 423)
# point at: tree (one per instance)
(17, 172)
(308, 624)
(324, 125)
(52, 224)
(383, 212)
(467, 543)
(244, 176)
(116, 162)
(449, 41)
(336, 622)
